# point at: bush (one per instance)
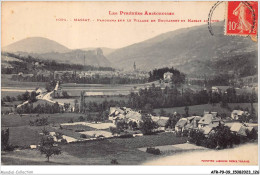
(9, 148)
(81, 119)
(148, 125)
(252, 135)
(154, 151)
(79, 130)
(63, 141)
(83, 136)
(71, 121)
(126, 136)
(114, 162)
(114, 130)
(221, 137)
(196, 137)
(185, 133)
(39, 122)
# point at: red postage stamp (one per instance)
(241, 18)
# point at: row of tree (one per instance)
(39, 109)
(157, 74)
(27, 64)
(172, 97)
(23, 97)
(220, 138)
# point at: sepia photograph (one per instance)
(129, 83)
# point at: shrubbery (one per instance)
(154, 151)
(83, 136)
(39, 122)
(126, 135)
(5, 146)
(197, 137)
(147, 125)
(114, 130)
(71, 121)
(221, 137)
(114, 162)
(81, 119)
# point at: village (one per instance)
(74, 121)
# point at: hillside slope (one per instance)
(191, 50)
(36, 45)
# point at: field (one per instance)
(199, 109)
(150, 140)
(22, 134)
(99, 152)
(15, 120)
(97, 99)
(7, 82)
(100, 89)
(15, 88)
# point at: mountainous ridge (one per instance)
(36, 45)
(47, 49)
(189, 50)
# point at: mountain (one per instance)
(191, 50)
(106, 51)
(91, 57)
(36, 45)
(46, 49)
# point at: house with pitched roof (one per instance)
(209, 119)
(180, 125)
(192, 122)
(237, 114)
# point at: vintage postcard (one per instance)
(129, 83)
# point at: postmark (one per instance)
(241, 18)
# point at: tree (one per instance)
(66, 106)
(171, 122)
(50, 86)
(8, 98)
(4, 138)
(147, 125)
(186, 109)
(162, 112)
(47, 146)
(148, 108)
(33, 97)
(26, 96)
(65, 94)
(252, 112)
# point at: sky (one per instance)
(41, 19)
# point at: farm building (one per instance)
(133, 116)
(219, 89)
(124, 113)
(192, 122)
(167, 77)
(237, 114)
(209, 119)
(180, 125)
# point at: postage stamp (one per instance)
(241, 18)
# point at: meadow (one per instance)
(199, 109)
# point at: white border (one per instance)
(71, 169)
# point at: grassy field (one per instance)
(89, 153)
(150, 140)
(15, 120)
(7, 82)
(11, 93)
(24, 135)
(199, 109)
(97, 99)
(99, 152)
